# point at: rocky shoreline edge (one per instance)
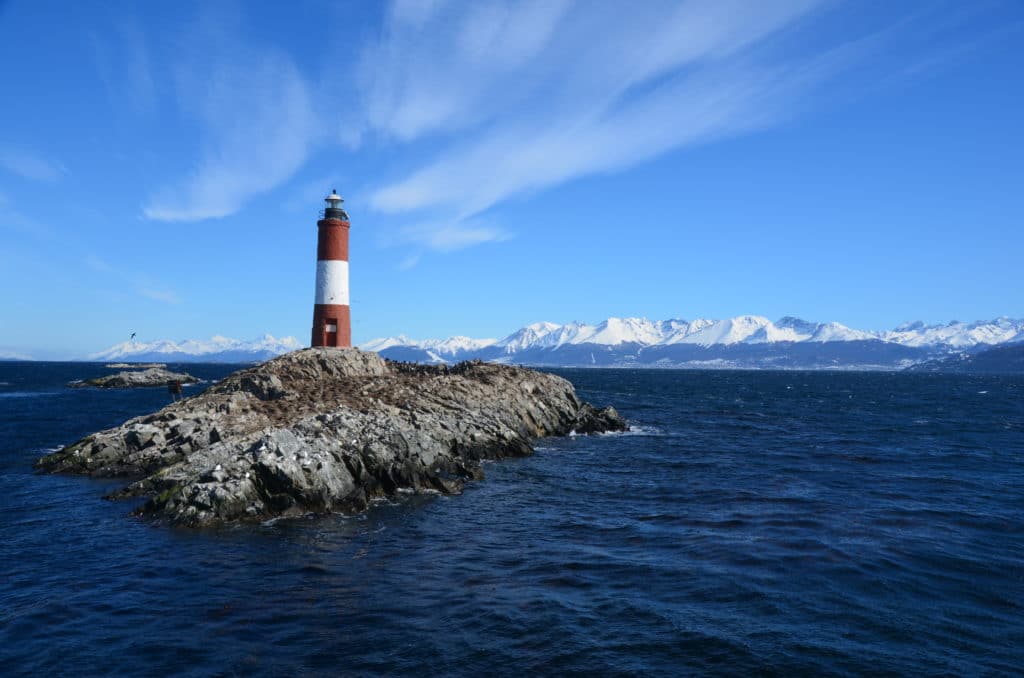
(327, 430)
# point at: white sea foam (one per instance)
(637, 430)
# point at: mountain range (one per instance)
(216, 349)
(741, 342)
(749, 342)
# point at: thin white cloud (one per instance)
(257, 116)
(451, 66)
(501, 98)
(448, 236)
(31, 165)
(516, 97)
(478, 175)
(551, 91)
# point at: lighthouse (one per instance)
(332, 324)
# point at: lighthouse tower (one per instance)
(332, 324)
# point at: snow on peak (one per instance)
(217, 344)
(527, 336)
(382, 343)
(456, 344)
(745, 329)
(615, 331)
(838, 332)
(437, 347)
(956, 334)
(731, 331)
(797, 325)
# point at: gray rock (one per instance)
(155, 376)
(263, 386)
(141, 436)
(323, 430)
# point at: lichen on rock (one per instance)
(322, 430)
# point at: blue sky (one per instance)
(162, 164)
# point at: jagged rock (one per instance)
(141, 436)
(328, 430)
(155, 376)
(263, 386)
(591, 420)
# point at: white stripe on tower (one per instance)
(332, 318)
(332, 282)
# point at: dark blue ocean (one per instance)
(753, 522)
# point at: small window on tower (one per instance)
(332, 325)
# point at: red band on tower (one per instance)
(332, 324)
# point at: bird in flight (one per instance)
(132, 338)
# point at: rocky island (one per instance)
(154, 376)
(328, 430)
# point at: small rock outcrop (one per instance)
(322, 430)
(154, 376)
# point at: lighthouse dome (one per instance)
(334, 209)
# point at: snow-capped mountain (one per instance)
(437, 350)
(214, 349)
(743, 341)
(957, 334)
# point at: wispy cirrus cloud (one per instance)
(515, 97)
(256, 113)
(447, 236)
(493, 100)
(521, 97)
(442, 67)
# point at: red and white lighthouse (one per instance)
(332, 323)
